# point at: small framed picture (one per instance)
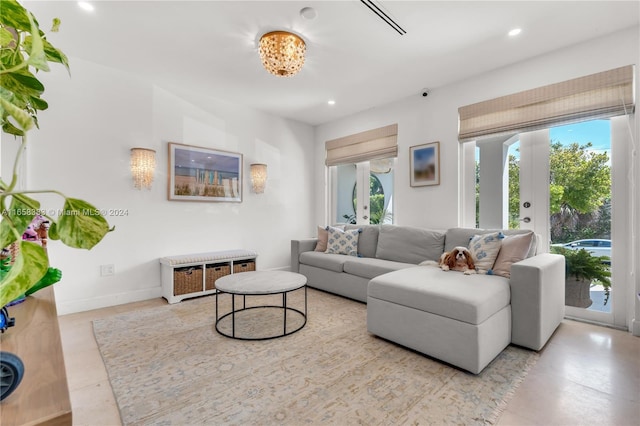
(204, 174)
(425, 164)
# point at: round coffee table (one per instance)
(260, 283)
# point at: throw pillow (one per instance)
(485, 248)
(343, 242)
(323, 235)
(514, 249)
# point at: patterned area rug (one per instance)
(169, 366)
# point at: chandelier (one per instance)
(282, 53)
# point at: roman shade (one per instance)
(370, 145)
(602, 95)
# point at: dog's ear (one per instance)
(451, 258)
(470, 263)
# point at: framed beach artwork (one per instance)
(425, 164)
(204, 174)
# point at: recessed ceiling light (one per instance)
(514, 32)
(86, 6)
(308, 13)
(331, 102)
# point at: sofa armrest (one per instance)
(537, 299)
(300, 246)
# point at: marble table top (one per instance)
(261, 282)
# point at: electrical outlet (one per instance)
(106, 270)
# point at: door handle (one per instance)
(525, 219)
(365, 217)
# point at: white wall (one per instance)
(82, 149)
(435, 118)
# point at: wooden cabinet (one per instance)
(42, 398)
(194, 275)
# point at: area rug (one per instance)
(168, 365)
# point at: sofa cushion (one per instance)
(408, 244)
(368, 239)
(514, 248)
(468, 298)
(343, 242)
(367, 267)
(331, 262)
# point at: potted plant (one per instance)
(24, 51)
(582, 269)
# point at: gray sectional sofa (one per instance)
(464, 320)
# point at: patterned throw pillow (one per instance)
(343, 242)
(485, 248)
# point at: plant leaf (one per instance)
(37, 57)
(55, 55)
(24, 120)
(81, 225)
(5, 37)
(38, 103)
(53, 231)
(55, 25)
(21, 212)
(22, 81)
(14, 15)
(9, 128)
(29, 267)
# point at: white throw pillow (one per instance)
(343, 242)
(485, 249)
(514, 248)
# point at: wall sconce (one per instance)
(143, 165)
(258, 177)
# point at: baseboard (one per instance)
(82, 305)
(598, 323)
(281, 268)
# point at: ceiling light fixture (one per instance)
(282, 53)
(331, 102)
(515, 32)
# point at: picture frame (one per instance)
(425, 164)
(204, 174)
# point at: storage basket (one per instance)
(187, 280)
(214, 272)
(244, 266)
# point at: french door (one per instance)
(543, 207)
(362, 193)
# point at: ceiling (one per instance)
(209, 48)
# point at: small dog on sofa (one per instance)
(458, 259)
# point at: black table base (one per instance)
(284, 308)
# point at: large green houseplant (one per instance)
(24, 51)
(582, 269)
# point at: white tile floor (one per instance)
(586, 375)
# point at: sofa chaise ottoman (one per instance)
(467, 320)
